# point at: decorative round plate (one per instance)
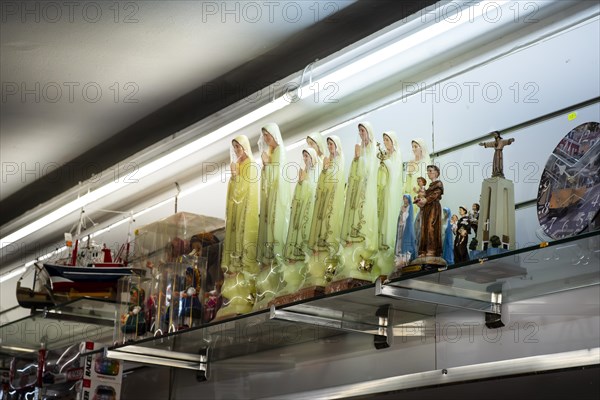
(569, 194)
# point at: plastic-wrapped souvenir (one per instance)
(241, 233)
(170, 247)
(323, 240)
(294, 265)
(131, 299)
(359, 225)
(274, 214)
(389, 201)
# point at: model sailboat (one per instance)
(90, 271)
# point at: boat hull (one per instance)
(86, 279)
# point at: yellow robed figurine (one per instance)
(389, 201)
(241, 232)
(359, 226)
(316, 141)
(274, 214)
(323, 239)
(296, 249)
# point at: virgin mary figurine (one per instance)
(301, 212)
(388, 201)
(448, 237)
(316, 141)
(274, 213)
(405, 248)
(323, 238)
(241, 231)
(359, 226)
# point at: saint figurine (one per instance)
(416, 168)
(405, 248)
(190, 310)
(430, 243)
(241, 231)
(134, 322)
(323, 238)
(359, 226)
(463, 219)
(300, 222)
(474, 217)
(497, 144)
(389, 200)
(461, 252)
(274, 213)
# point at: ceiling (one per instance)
(86, 87)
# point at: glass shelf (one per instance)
(533, 271)
(482, 285)
(76, 321)
(408, 302)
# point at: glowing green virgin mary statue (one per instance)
(323, 238)
(274, 214)
(316, 141)
(241, 231)
(359, 226)
(296, 249)
(389, 201)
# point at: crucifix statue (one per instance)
(497, 144)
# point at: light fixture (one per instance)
(411, 40)
(18, 349)
(146, 170)
(14, 272)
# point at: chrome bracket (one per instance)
(148, 355)
(427, 292)
(381, 327)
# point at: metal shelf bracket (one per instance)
(382, 331)
(146, 355)
(441, 295)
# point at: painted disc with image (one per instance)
(569, 193)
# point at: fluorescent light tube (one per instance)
(389, 51)
(146, 170)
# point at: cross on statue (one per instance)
(497, 144)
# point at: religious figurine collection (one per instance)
(329, 226)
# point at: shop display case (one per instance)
(183, 254)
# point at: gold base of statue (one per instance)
(303, 294)
(345, 284)
(426, 263)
